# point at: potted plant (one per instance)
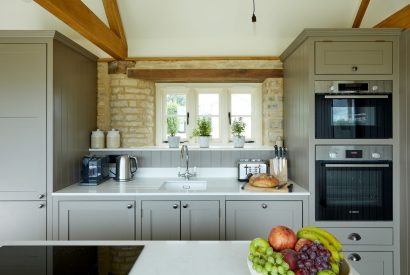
(237, 128)
(203, 131)
(172, 126)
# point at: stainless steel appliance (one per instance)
(354, 183)
(248, 167)
(125, 168)
(95, 169)
(353, 109)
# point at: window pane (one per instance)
(248, 125)
(208, 104)
(176, 107)
(241, 104)
(215, 127)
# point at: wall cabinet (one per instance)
(371, 263)
(96, 220)
(353, 57)
(180, 220)
(246, 220)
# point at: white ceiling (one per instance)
(206, 27)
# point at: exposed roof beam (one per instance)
(79, 17)
(360, 13)
(197, 58)
(114, 19)
(400, 19)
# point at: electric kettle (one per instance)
(125, 168)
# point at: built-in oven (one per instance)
(354, 183)
(353, 109)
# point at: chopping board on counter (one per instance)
(285, 189)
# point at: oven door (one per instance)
(348, 191)
(353, 116)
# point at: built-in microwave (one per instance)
(353, 109)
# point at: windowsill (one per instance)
(248, 147)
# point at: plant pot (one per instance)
(203, 141)
(173, 141)
(238, 142)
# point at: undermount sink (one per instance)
(184, 185)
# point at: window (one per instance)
(222, 103)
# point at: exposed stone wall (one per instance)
(103, 97)
(272, 110)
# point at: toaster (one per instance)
(249, 167)
(95, 169)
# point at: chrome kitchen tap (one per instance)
(185, 154)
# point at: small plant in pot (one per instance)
(203, 131)
(172, 125)
(238, 128)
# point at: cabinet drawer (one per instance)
(371, 263)
(353, 57)
(363, 236)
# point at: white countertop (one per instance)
(151, 185)
(181, 257)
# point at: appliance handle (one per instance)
(354, 165)
(356, 96)
(134, 160)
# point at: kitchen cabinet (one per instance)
(362, 235)
(23, 260)
(23, 220)
(371, 263)
(96, 220)
(180, 220)
(353, 57)
(246, 220)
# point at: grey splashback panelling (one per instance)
(214, 158)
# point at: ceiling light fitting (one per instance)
(253, 15)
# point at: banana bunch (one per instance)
(328, 240)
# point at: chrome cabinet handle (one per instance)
(41, 196)
(41, 205)
(354, 68)
(354, 257)
(185, 205)
(354, 237)
(129, 206)
(175, 206)
(264, 205)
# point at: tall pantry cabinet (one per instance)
(47, 110)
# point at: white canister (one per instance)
(97, 139)
(113, 139)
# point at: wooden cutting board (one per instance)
(284, 189)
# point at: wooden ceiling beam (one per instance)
(400, 19)
(197, 58)
(114, 19)
(205, 75)
(79, 17)
(360, 13)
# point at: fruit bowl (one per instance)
(344, 268)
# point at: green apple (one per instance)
(259, 245)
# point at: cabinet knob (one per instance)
(41, 205)
(185, 205)
(175, 206)
(354, 237)
(129, 206)
(264, 205)
(354, 68)
(354, 257)
(41, 196)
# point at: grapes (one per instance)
(270, 262)
(313, 258)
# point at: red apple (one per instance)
(291, 257)
(282, 237)
(300, 243)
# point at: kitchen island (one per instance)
(174, 257)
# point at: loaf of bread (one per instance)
(263, 180)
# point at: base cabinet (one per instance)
(96, 220)
(371, 263)
(246, 220)
(17, 216)
(180, 220)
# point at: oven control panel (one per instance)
(354, 152)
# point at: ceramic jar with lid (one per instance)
(113, 139)
(97, 139)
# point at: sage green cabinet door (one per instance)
(161, 220)
(347, 57)
(246, 220)
(200, 220)
(23, 91)
(371, 263)
(23, 220)
(96, 220)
